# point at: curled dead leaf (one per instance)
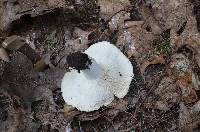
(69, 111)
(156, 60)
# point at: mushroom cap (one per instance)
(111, 72)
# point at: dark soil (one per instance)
(197, 12)
(79, 61)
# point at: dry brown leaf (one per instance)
(156, 60)
(168, 91)
(69, 111)
(4, 55)
(160, 105)
(189, 37)
(117, 21)
(188, 92)
(57, 3)
(171, 13)
(195, 81)
(109, 7)
(13, 10)
(179, 83)
(138, 43)
(149, 20)
(82, 36)
(181, 71)
(189, 117)
(196, 107)
(180, 67)
(184, 118)
(78, 42)
(129, 24)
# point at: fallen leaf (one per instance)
(69, 111)
(181, 71)
(168, 91)
(138, 42)
(109, 7)
(196, 107)
(117, 21)
(14, 10)
(171, 13)
(150, 21)
(190, 37)
(180, 67)
(57, 3)
(184, 118)
(188, 92)
(156, 60)
(4, 55)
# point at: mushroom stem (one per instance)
(94, 71)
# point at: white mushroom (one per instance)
(109, 74)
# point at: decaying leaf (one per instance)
(69, 111)
(171, 13)
(181, 71)
(4, 55)
(180, 66)
(196, 107)
(179, 84)
(47, 113)
(82, 36)
(109, 7)
(188, 92)
(184, 118)
(12, 10)
(160, 105)
(155, 60)
(117, 22)
(57, 3)
(150, 21)
(168, 91)
(138, 42)
(189, 37)
(189, 117)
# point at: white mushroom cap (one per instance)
(109, 75)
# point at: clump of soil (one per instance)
(79, 61)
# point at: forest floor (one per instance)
(160, 37)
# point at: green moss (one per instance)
(164, 47)
(50, 44)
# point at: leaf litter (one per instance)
(161, 38)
